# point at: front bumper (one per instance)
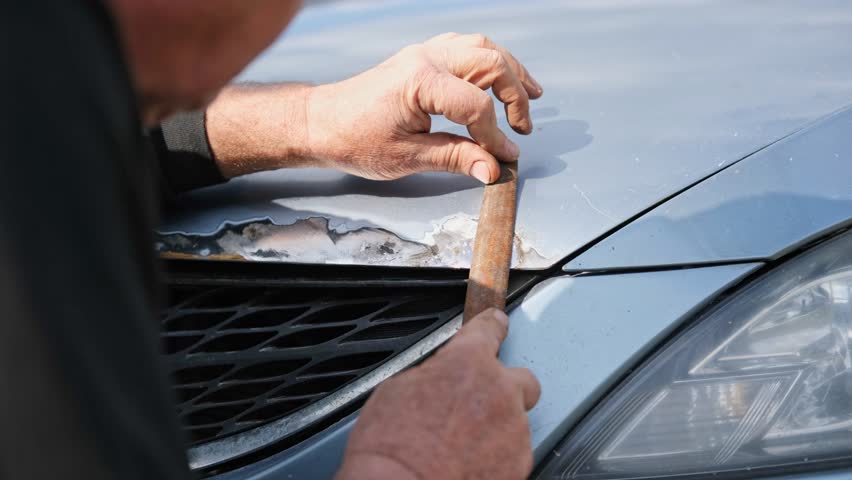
(580, 336)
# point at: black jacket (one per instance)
(83, 393)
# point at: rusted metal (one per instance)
(192, 256)
(492, 248)
(313, 240)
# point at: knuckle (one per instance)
(420, 79)
(501, 331)
(486, 103)
(480, 39)
(515, 95)
(416, 57)
(443, 36)
(518, 86)
(496, 60)
(523, 74)
(463, 343)
(413, 51)
(474, 341)
(498, 319)
(483, 107)
(522, 98)
(455, 157)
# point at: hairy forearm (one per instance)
(255, 127)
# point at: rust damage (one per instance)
(311, 240)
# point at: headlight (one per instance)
(764, 379)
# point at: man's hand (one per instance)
(376, 125)
(460, 414)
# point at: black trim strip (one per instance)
(669, 197)
(661, 268)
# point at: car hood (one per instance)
(642, 100)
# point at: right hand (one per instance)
(461, 414)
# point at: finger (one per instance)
(530, 387)
(484, 332)
(462, 102)
(445, 152)
(486, 69)
(533, 88)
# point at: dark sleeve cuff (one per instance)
(183, 153)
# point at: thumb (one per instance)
(446, 152)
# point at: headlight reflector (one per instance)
(762, 379)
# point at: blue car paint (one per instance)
(641, 99)
(758, 208)
(318, 457)
(578, 335)
(828, 475)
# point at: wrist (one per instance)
(321, 142)
(254, 128)
(372, 466)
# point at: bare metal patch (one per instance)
(311, 240)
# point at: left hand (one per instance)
(377, 124)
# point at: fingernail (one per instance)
(536, 85)
(513, 149)
(481, 172)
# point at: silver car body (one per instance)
(679, 146)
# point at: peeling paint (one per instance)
(310, 240)
(452, 245)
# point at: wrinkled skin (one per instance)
(376, 125)
(389, 118)
(459, 415)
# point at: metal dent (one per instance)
(312, 240)
(222, 450)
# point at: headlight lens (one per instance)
(764, 379)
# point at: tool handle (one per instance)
(492, 247)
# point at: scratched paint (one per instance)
(311, 240)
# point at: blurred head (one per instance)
(181, 52)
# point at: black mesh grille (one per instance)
(243, 356)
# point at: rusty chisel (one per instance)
(492, 246)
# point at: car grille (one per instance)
(243, 354)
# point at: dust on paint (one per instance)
(311, 240)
